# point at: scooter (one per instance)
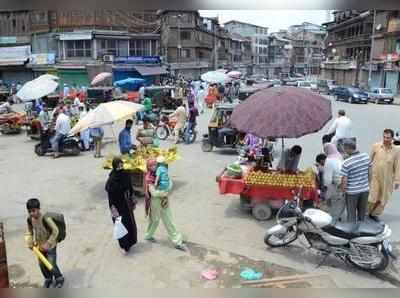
(166, 128)
(69, 145)
(365, 245)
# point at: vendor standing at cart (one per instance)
(145, 134)
(125, 138)
(290, 160)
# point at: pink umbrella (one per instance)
(101, 77)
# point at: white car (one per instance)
(381, 95)
(304, 85)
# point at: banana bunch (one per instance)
(281, 180)
(138, 160)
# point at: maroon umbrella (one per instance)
(282, 112)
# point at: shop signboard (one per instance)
(43, 59)
(138, 60)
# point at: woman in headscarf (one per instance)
(121, 203)
(158, 186)
(331, 178)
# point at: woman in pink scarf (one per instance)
(331, 179)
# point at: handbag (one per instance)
(119, 229)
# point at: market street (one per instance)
(90, 257)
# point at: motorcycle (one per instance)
(396, 141)
(365, 245)
(69, 145)
(166, 128)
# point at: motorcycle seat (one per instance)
(354, 230)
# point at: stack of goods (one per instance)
(306, 180)
(137, 160)
(234, 171)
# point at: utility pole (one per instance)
(215, 48)
(179, 42)
(371, 50)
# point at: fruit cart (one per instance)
(135, 163)
(262, 192)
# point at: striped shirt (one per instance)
(356, 169)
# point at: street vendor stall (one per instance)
(263, 191)
(284, 112)
(136, 163)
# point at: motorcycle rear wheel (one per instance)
(288, 237)
(380, 266)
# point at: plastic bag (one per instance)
(119, 229)
(156, 142)
(250, 274)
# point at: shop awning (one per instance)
(14, 55)
(151, 70)
(8, 62)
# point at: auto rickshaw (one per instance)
(220, 134)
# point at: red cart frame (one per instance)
(262, 199)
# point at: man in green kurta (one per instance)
(385, 174)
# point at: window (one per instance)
(78, 48)
(140, 47)
(185, 53)
(185, 35)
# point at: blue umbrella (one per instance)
(129, 81)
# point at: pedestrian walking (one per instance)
(85, 134)
(355, 182)
(122, 203)
(331, 179)
(158, 186)
(200, 96)
(44, 234)
(385, 174)
(180, 114)
(97, 134)
(340, 130)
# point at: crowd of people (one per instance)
(352, 182)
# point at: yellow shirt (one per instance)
(38, 235)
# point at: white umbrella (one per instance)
(106, 114)
(215, 77)
(36, 89)
(234, 74)
(100, 77)
(48, 76)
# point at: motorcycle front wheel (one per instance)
(280, 240)
(162, 133)
(380, 264)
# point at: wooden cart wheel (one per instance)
(262, 212)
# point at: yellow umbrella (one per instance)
(106, 114)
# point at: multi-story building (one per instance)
(241, 53)
(76, 45)
(16, 30)
(308, 41)
(189, 43)
(385, 67)
(348, 47)
(279, 55)
(259, 43)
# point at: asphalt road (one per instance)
(89, 256)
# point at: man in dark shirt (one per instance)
(193, 114)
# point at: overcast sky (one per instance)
(273, 19)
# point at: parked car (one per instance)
(304, 84)
(381, 95)
(350, 94)
(326, 86)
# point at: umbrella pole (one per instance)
(283, 144)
